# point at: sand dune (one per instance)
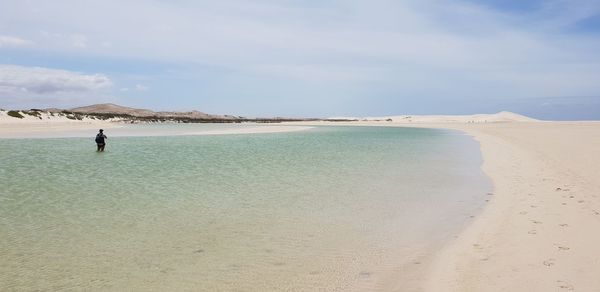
(52, 125)
(477, 118)
(46, 122)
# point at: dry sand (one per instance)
(541, 228)
(46, 124)
(59, 126)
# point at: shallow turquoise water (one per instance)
(348, 208)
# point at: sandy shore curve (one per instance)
(540, 229)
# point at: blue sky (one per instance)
(305, 58)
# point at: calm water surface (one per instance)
(328, 209)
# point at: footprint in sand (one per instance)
(563, 225)
(563, 248)
(549, 262)
(565, 285)
(533, 206)
(532, 232)
(523, 213)
(364, 274)
(536, 222)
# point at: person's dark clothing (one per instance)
(100, 139)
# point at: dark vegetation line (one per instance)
(127, 118)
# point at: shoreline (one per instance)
(49, 125)
(539, 231)
(87, 129)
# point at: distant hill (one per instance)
(107, 111)
(109, 108)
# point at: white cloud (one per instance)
(247, 34)
(415, 48)
(79, 41)
(41, 81)
(137, 87)
(65, 40)
(11, 41)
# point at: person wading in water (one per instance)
(100, 137)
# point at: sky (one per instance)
(305, 58)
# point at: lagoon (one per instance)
(329, 208)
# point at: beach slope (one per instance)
(540, 230)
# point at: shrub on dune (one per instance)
(15, 114)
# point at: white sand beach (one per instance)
(539, 231)
(46, 124)
(55, 126)
(300, 146)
